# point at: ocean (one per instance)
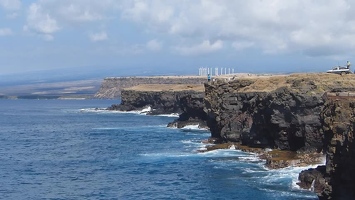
(69, 149)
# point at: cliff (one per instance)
(339, 123)
(335, 180)
(271, 111)
(112, 87)
(185, 99)
(295, 112)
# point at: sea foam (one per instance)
(144, 111)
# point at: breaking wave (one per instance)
(144, 111)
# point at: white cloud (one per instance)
(44, 16)
(273, 26)
(203, 48)
(41, 22)
(154, 45)
(79, 11)
(10, 4)
(5, 32)
(101, 36)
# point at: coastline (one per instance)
(254, 113)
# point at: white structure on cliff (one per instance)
(204, 71)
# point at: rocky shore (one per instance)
(299, 116)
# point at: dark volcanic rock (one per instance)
(285, 118)
(313, 179)
(188, 103)
(338, 119)
(291, 113)
(161, 102)
(192, 111)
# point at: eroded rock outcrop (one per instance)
(292, 113)
(313, 179)
(336, 179)
(184, 99)
(277, 112)
(338, 119)
(192, 112)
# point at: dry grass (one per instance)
(322, 81)
(265, 83)
(167, 87)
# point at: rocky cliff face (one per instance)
(292, 113)
(336, 179)
(185, 99)
(284, 116)
(161, 102)
(192, 112)
(112, 87)
(338, 119)
(284, 112)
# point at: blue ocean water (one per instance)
(66, 149)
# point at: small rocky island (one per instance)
(300, 116)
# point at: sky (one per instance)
(161, 36)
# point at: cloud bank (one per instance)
(312, 28)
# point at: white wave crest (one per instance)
(250, 158)
(170, 115)
(144, 111)
(288, 173)
(95, 110)
(195, 127)
(166, 155)
(223, 153)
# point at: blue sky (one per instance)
(176, 35)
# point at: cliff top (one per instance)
(314, 82)
(167, 87)
(158, 77)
